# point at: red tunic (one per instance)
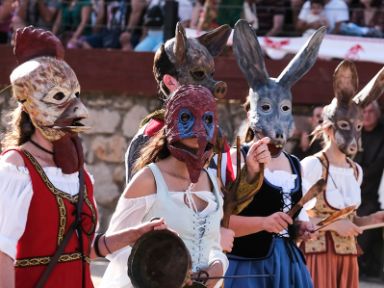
(50, 214)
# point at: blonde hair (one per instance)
(320, 133)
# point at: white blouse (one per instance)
(15, 197)
(343, 189)
(286, 181)
(131, 212)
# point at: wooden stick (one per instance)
(315, 190)
(335, 216)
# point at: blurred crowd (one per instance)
(138, 24)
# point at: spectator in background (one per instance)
(316, 17)
(154, 20)
(38, 13)
(295, 9)
(73, 21)
(336, 12)
(307, 145)
(6, 11)
(270, 15)
(110, 23)
(371, 160)
(127, 40)
(369, 14)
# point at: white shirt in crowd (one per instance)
(335, 11)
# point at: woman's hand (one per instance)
(304, 230)
(141, 229)
(345, 228)
(276, 222)
(226, 239)
(214, 270)
(258, 154)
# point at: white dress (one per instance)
(200, 231)
(15, 197)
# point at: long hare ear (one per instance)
(303, 61)
(180, 46)
(215, 40)
(373, 90)
(249, 55)
(345, 81)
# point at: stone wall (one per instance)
(115, 120)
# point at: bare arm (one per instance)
(126, 237)
(142, 184)
(7, 271)
(85, 14)
(274, 223)
(56, 25)
(278, 21)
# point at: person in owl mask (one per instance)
(332, 255)
(172, 182)
(47, 211)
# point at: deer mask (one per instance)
(191, 113)
(48, 90)
(345, 112)
(193, 57)
(270, 98)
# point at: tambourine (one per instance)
(160, 259)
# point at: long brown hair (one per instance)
(20, 129)
(154, 150)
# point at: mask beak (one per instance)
(71, 119)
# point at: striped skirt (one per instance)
(283, 267)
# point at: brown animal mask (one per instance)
(271, 98)
(345, 112)
(46, 87)
(193, 57)
(48, 90)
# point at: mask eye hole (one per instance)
(359, 127)
(77, 94)
(198, 75)
(343, 125)
(59, 96)
(266, 107)
(285, 108)
(185, 117)
(208, 119)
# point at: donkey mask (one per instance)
(345, 112)
(193, 57)
(271, 98)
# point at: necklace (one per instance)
(40, 147)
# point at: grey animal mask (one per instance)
(270, 98)
(193, 57)
(345, 112)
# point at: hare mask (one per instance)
(191, 113)
(193, 57)
(47, 89)
(270, 98)
(345, 112)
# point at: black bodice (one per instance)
(266, 202)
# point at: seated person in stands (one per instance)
(335, 11)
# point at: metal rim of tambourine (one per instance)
(158, 259)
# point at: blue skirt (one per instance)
(283, 267)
